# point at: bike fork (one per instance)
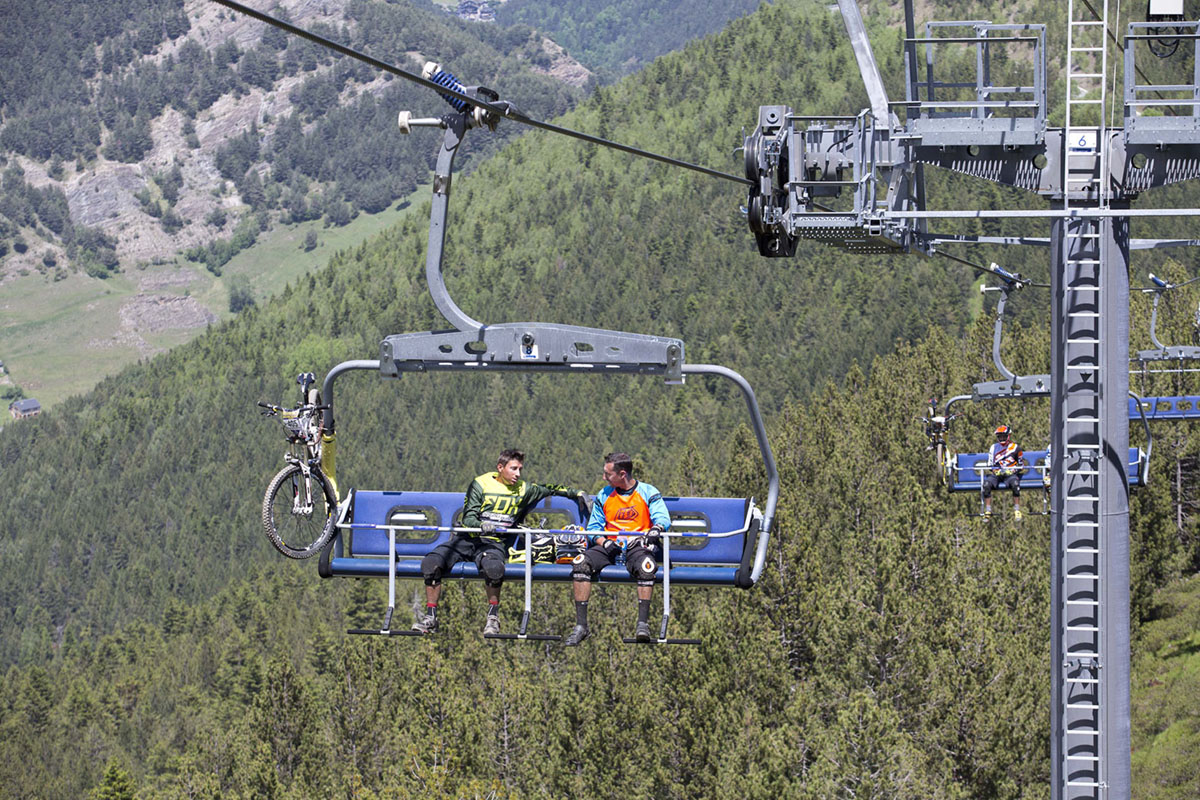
(302, 502)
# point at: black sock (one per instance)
(493, 609)
(581, 612)
(431, 609)
(643, 610)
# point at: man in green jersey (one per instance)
(495, 502)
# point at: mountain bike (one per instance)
(936, 428)
(299, 509)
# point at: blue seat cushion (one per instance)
(362, 548)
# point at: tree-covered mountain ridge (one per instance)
(896, 647)
(147, 149)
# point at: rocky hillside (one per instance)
(176, 194)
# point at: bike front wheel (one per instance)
(299, 513)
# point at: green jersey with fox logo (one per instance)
(489, 498)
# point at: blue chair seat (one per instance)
(969, 469)
(361, 549)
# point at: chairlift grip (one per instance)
(1011, 279)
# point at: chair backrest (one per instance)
(695, 515)
(1156, 408)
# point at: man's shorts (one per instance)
(605, 554)
(469, 548)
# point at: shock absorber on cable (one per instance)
(479, 117)
(434, 72)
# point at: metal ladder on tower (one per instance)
(1081, 613)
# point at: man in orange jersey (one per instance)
(633, 516)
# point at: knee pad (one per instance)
(646, 569)
(492, 568)
(431, 568)
(581, 568)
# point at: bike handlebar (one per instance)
(274, 409)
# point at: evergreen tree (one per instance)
(116, 785)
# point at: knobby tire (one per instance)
(302, 536)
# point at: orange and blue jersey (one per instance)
(1004, 456)
(635, 511)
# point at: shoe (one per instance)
(577, 635)
(987, 514)
(1017, 514)
(426, 624)
(642, 633)
(492, 626)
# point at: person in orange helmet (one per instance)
(1005, 465)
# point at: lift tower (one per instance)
(1088, 172)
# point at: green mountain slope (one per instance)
(129, 142)
(1166, 685)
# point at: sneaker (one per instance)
(1017, 514)
(642, 633)
(492, 626)
(987, 513)
(426, 624)
(577, 635)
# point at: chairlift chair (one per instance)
(720, 541)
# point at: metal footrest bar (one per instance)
(662, 636)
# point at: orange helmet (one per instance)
(1002, 432)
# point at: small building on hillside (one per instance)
(26, 407)
(477, 10)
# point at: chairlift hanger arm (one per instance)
(505, 110)
(760, 433)
(1012, 385)
(456, 128)
(1164, 352)
(1145, 466)
(1160, 287)
(526, 346)
(998, 331)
